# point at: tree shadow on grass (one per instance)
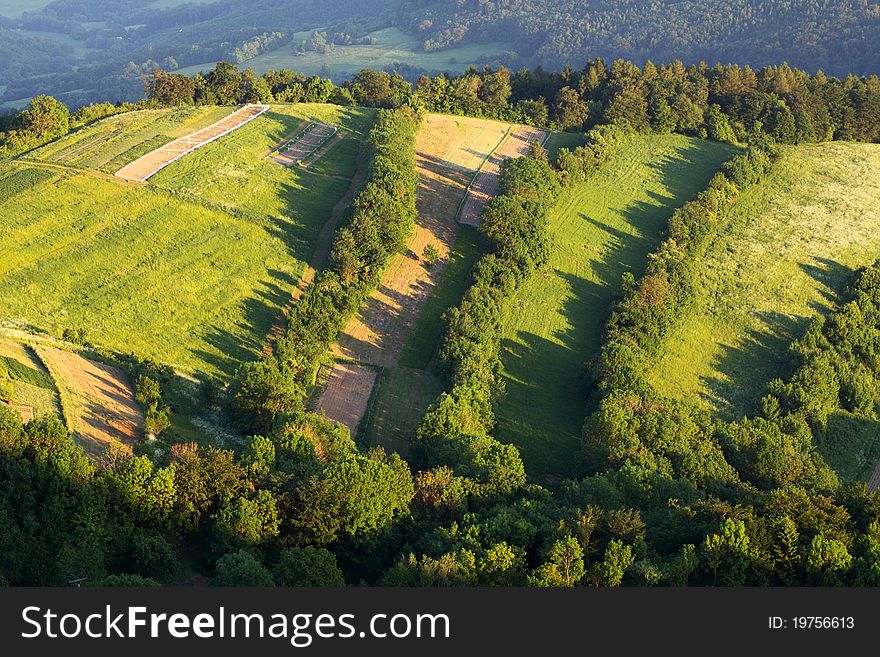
(764, 354)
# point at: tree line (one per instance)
(382, 217)
(725, 103)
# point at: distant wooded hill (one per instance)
(87, 50)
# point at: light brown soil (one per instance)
(485, 184)
(98, 401)
(449, 151)
(347, 393)
(149, 164)
(25, 412)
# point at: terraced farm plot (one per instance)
(449, 151)
(98, 401)
(192, 270)
(151, 163)
(600, 228)
(792, 246)
(485, 184)
(111, 143)
(306, 141)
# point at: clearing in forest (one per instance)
(150, 164)
(449, 152)
(792, 246)
(97, 399)
(600, 228)
(192, 270)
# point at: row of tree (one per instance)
(455, 431)
(383, 216)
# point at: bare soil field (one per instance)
(485, 184)
(347, 393)
(449, 151)
(144, 167)
(97, 399)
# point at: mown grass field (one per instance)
(392, 47)
(793, 245)
(110, 144)
(191, 270)
(600, 228)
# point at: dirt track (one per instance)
(151, 163)
(98, 401)
(485, 183)
(449, 152)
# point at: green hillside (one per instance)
(792, 247)
(601, 228)
(191, 269)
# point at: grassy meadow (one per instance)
(32, 384)
(110, 144)
(392, 47)
(192, 269)
(600, 228)
(794, 244)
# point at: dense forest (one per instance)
(666, 493)
(813, 34)
(83, 51)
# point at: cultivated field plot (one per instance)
(449, 151)
(148, 165)
(306, 141)
(347, 394)
(97, 399)
(113, 142)
(600, 228)
(485, 184)
(34, 393)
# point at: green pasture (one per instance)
(793, 245)
(191, 269)
(600, 228)
(392, 47)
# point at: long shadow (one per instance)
(764, 354)
(548, 411)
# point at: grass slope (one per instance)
(110, 144)
(793, 244)
(600, 228)
(191, 270)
